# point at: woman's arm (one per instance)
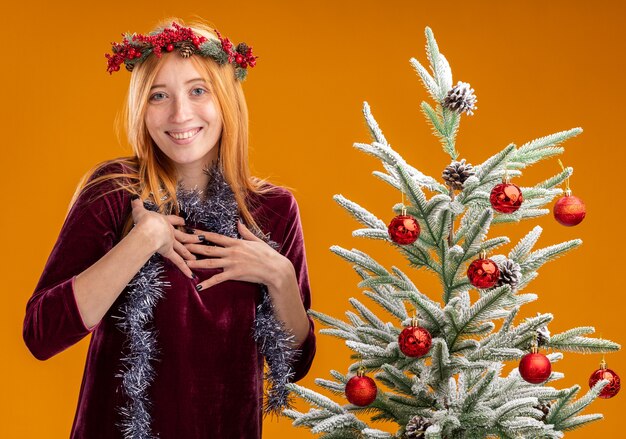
(285, 293)
(87, 270)
(97, 287)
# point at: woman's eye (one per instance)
(198, 91)
(157, 96)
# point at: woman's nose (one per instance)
(181, 110)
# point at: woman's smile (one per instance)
(183, 137)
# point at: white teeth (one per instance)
(185, 135)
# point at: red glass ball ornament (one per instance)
(415, 341)
(483, 273)
(404, 229)
(361, 390)
(611, 389)
(535, 368)
(506, 198)
(569, 210)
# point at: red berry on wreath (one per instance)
(569, 210)
(404, 229)
(483, 273)
(414, 341)
(612, 388)
(535, 368)
(506, 198)
(170, 47)
(361, 390)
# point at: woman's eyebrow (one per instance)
(188, 82)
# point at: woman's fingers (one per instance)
(186, 238)
(206, 250)
(175, 220)
(213, 280)
(136, 202)
(215, 238)
(180, 263)
(208, 263)
(137, 209)
(182, 251)
(246, 233)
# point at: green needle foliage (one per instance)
(459, 386)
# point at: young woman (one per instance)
(187, 271)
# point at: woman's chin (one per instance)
(192, 161)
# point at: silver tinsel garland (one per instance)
(217, 212)
(145, 290)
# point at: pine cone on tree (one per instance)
(543, 336)
(187, 49)
(544, 407)
(456, 173)
(510, 273)
(416, 428)
(461, 98)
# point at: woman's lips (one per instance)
(183, 137)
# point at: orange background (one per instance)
(537, 67)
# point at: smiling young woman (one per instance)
(183, 119)
(187, 271)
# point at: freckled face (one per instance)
(182, 115)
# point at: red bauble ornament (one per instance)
(483, 273)
(569, 210)
(506, 198)
(361, 390)
(611, 389)
(404, 229)
(535, 367)
(415, 341)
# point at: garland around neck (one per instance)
(217, 212)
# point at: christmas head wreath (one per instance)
(135, 48)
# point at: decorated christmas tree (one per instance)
(437, 369)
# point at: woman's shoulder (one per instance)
(274, 200)
(117, 167)
(108, 180)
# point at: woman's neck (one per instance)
(193, 177)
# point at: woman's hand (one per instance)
(252, 260)
(165, 237)
(249, 259)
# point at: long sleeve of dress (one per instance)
(91, 228)
(293, 248)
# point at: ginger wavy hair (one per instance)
(149, 171)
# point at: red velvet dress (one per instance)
(209, 376)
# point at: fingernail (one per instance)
(193, 276)
(198, 287)
(189, 230)
(201, 238)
